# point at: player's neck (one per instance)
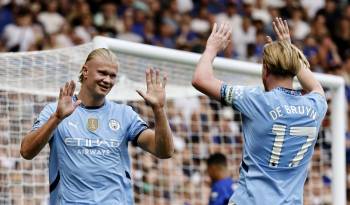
(275, 82)
(90, 101)
(221, 175)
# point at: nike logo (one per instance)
(72, 124)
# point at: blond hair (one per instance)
(102, 53)
(283, 58)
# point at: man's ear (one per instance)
(265, 70)
(85, 71)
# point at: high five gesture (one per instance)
(218, 40)
(155, 95)
(65, 106)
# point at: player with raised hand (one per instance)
(88, 135)
(280, 125)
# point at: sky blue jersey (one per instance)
(89, 161)
(280, 128)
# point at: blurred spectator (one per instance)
(186, 37)
(85, 29)
(165, 36)
(248, 6)
(222, 185)
(300, 29)
(328, 52)
(50, 18)
(21, 35)
(201, 24)
(79, 9)
(260, 12)
(342, 36)
(311, 52)
(184, 6)
(127, 34)
(6, 16)
(287, 10)
(242, 36)
(140, 11)
(230, 15)
(331, 13)
(312, 6)
(107, 19)
(62, 39)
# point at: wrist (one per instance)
(57, 117)
(211, 50)
(157, 109)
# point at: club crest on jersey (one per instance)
(114, 124)
(92, 124)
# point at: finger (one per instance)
(151, 75)
(274, 26)
(65, 89)
(281, 25)
(268, 39)
(228, 34)
(165, 79)
(157, 77)
(278, 25)
(77, 103)
(214, 28)
(224, 28)
(286, 26)
(148, 78)
(61, 93)
(228, 31)
(220, 28)
(226, 44)
(72, 88)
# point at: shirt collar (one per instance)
(290, 91)
(75, 98)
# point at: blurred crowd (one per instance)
(320, 28)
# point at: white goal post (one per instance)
(335, 83)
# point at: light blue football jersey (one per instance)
(280, 129)
(89, 161)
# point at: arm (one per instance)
(308, 81)
(158, 142)
(305, 76)
(203, 78)
(36, 140)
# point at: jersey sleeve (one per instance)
(320, 103)
(241, 98)
(44, 116)
(137, 125)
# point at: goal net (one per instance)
(201, 126)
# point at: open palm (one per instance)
(155, 94)
(65, 106)
(281, 30)
(219, 37)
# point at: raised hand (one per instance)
(155, 95)
(281, 29)
(219, 37)
(65, 106)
